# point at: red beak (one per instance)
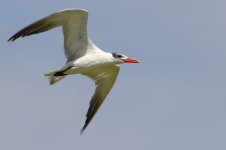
(130, 60)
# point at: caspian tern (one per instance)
(83, 56)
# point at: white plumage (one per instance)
(83, 56)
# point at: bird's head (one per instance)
(120, 58)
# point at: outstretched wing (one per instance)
(74, 23)
(104, 80)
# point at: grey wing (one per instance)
(104, 83)
(74, 23)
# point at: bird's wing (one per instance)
(74, 23)
(104, 81)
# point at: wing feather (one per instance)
(74, 23)
(104, 83)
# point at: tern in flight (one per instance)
(83, 56)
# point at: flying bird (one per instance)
(83, 56)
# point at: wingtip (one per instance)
(15, 37)
(83, 129)
(10, 40)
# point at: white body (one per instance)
(83, 56)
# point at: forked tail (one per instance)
(53, 78)
(57, 75)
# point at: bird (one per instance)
(82, 55)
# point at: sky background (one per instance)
(174, 99)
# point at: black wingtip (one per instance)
(15, 36)
(10, 40)
(83, 129)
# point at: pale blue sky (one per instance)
(173, 100)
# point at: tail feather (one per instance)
(53, 79)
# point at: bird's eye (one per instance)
(119, 56)
(115, 55)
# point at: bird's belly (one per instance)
(88, 64)
(93, 69)
(88, 68)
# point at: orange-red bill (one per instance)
(130, 60)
